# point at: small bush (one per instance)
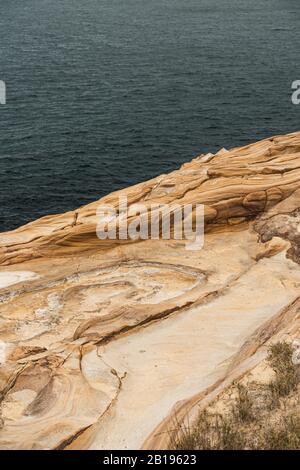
(286, 373)
(199, 437)
(243, 407)
(284, 435)
(212, 432)
(229, 436)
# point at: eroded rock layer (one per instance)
(102, 340)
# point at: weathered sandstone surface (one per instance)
(103, 343)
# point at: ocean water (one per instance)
(102, 94)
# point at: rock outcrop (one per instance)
(102, 342)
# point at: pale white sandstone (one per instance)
(10, 278)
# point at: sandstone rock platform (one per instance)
(105, 342)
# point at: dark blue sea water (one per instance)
(102, 94)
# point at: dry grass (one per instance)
(286, 373)
(266, 419)
(285, 435)
(243, 406)
(212, 432)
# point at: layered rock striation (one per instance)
(103, 342)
